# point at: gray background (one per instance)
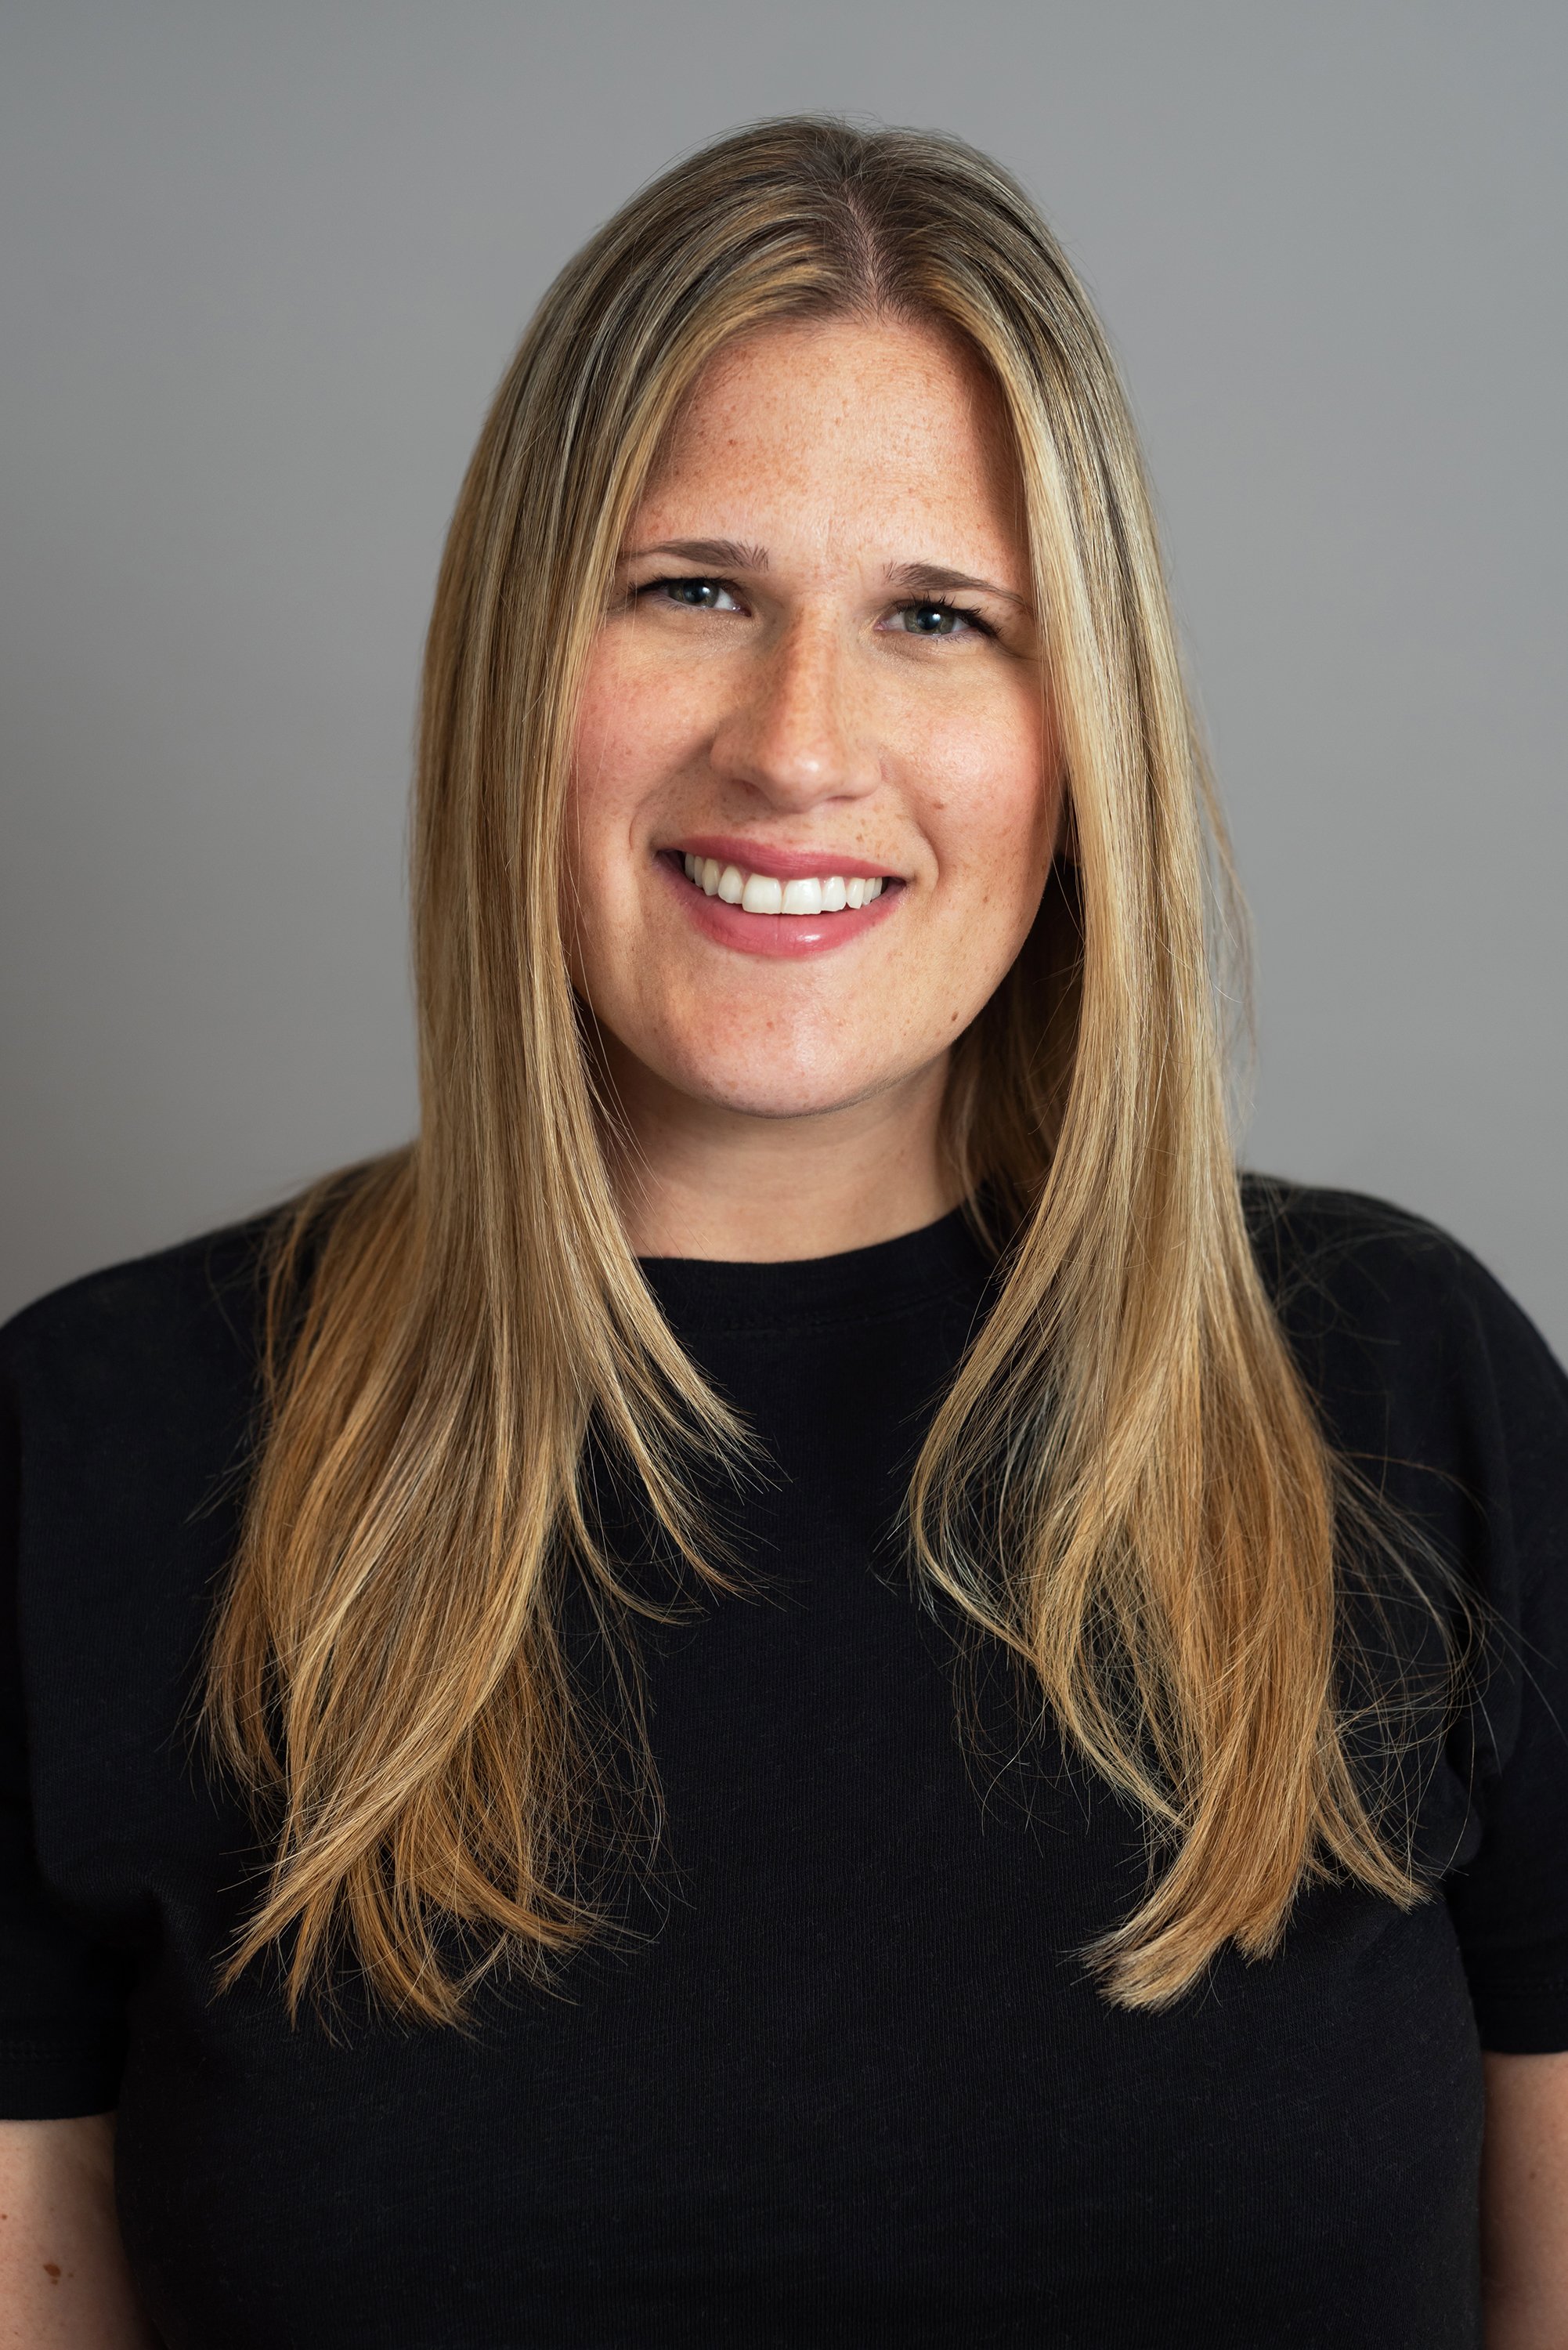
(261, 267)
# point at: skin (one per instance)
(789, 1106)
(65, 2282)
(1525, 2203)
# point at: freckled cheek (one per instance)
(628, 746)
(987, 804)
(641, 721)
(614, 762)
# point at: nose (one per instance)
(790, 735)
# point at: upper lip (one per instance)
(782, 864)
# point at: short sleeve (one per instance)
(1446, 1400)
(1509, 1901)
(62, 1992)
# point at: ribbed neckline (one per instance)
(857, 1284)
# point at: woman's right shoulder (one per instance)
(129, 1416)
(141, 1347)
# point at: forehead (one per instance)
(868, 427)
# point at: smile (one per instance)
(793, 912)
(764, 893)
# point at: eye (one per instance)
(696, 595)
(931, 617)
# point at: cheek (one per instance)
(639, 719)
(993, 811)
(638, 729)
(602, 788)
(610, 746)
(618, 760)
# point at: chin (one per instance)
(779, 1085)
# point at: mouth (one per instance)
(799, 903)
(770, 893)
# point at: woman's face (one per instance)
(815, 794)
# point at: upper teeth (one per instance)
(762, 893)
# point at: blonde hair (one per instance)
(1126, 1483)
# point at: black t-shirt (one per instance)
(853, 2085)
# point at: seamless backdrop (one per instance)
(261, 268)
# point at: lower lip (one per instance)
(790, 935)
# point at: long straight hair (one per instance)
(1126, 1483)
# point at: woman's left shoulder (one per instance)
(1342, 1260)
(1412, 1347)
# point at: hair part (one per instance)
(1128, 1484)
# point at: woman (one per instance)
(803, 1681)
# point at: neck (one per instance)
(701, 1180)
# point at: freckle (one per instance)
(52, 2270)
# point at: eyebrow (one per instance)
(935, 578)
(720, 553)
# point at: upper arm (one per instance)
(65, 2283)
(1525, 2203)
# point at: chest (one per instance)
(843, 2077)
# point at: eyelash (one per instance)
(913, 604)
(945, 604)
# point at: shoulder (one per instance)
(1339, 1259)
(128, 1407)
(1416, 1353)
(165, 1342)
(1307, 1235)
